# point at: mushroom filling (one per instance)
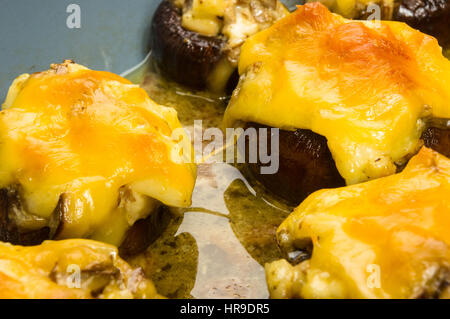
(197, 43)
(386, 238)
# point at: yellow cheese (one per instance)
(387, 238)
(86, 134)
(67, 269)
(366, 86)
(205, 16)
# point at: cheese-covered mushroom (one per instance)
(197, 43)
(70, 269)
(86, 154)
(386, 238)
(369, 88)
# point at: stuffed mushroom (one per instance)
(386, 238)
(354, 100)
(70, 269)
(361, 9)
(197, 43)
(87, 154)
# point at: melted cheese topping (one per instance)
(365, 86)
(86, 134)
(205, 17)
(50, 270)
(387, 238)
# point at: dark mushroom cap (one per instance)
(429, 16)
(182, 55)
(306, 164)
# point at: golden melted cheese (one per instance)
(69, 269)
(205, 17)
(387, 238)
(365, 86)
(86, 134)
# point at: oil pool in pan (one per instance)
(217, 248)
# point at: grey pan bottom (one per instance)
(113, 35)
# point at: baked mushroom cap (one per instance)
(183, 55)
(369, 88)
(70, 269)
(305, 165)
(386, 238)
(86, 154)
(197, 43)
